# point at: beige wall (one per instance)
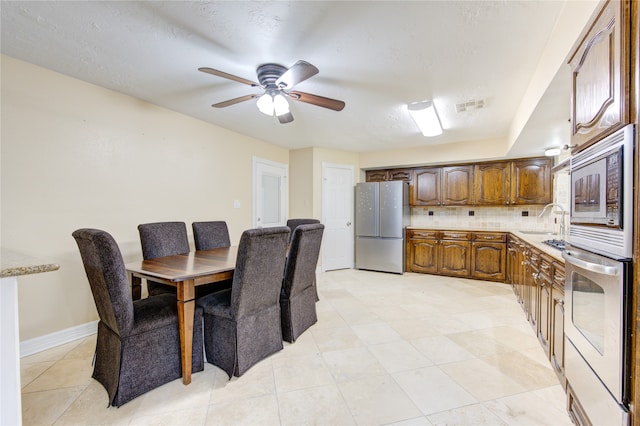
(301, 183)
(305, 175)
(76, 155)
(434, 154)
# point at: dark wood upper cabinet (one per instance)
(531, 181)
(425, 190)
(457, 185)
(442, 186)
(501, 183)
(388, 174)
(376, 175)
(600, 81)
(519, 182)
(491, 184)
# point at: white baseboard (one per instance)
(42, 343)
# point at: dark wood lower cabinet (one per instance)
(489, 261)
(455, 258)
(557, 323)
(422, 252)
(481, 255)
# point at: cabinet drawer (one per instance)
(495, 237)
(558, 276)
(422, 233)
(456, 235)
(545, 266)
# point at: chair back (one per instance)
(163, 239)
(300, 270)
(108, 279)
(294, 223)
(257, 279)
(211, 235)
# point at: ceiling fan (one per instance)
(277, 82)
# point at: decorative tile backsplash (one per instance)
(498, 218)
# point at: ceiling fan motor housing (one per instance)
(269, 73)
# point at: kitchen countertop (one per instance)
(535, 240)
(13, 264)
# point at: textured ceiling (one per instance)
(376, 56)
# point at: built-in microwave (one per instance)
(602, 196)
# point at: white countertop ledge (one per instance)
(14, 264)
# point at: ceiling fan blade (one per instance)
(229, 76)
(234, 101)
(321, 101)
(285, 118)
(300, 71)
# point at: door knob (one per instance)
(348, 223)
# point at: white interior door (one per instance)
(337, 216)
(270, 193)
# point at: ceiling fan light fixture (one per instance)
(280, 105)
(265, 104)
(425, 115)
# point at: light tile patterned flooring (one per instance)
(387, 349)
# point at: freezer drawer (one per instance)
(380, 254)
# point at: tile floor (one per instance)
(387, 349)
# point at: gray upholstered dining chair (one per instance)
(294, 223)
(162, 239)
(138, 344)
(211, 235)
(298, 295)
(242, 324)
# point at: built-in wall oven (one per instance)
(598, 278)
(597, 321)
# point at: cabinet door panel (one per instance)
(455, 258)
(457, 186)
(426, 187)
(531, 181)
(544, 315)
(491, 184)
(488, 261)
(399, 174)
(599, 97)
(423, 256)
(376, 175)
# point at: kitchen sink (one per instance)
(539, 232)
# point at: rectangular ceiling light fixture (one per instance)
(425, 115)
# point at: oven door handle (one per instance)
(590, 266)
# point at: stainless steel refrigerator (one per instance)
(382, 214)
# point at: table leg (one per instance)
(136, 286)
(186, 307)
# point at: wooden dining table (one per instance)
(185, 272)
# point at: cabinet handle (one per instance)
(559, 301)
(507, 203)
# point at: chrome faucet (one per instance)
(562, 212)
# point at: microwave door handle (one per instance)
(590, 266)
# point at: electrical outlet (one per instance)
(472, 213)
(525, 213)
